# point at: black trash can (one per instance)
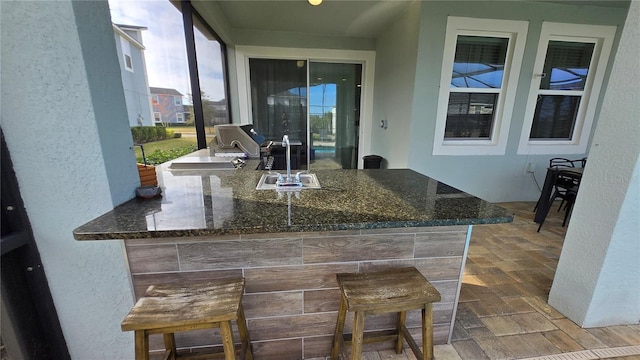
(372, 161)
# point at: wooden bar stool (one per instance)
(166, 309)
(394, 290)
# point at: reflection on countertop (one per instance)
(218, 202)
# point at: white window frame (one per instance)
(155, 99)
(180, 117)
(602, 37)
(126, 53)
(177, 100)
(157, 117)
(516, 32)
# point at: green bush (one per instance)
(145, 134)
(161, 156)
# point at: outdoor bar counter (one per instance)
(288, 246)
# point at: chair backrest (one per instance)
(561, 162)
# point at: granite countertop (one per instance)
(218, 202)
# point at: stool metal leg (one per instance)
(357, 336)
(227, 340)
(142, 345)
(427, 331)
(402, 317)
(337, 336)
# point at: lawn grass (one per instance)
(164, 145)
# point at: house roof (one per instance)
(122, 31)
(164, 91)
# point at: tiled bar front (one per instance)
(291, 296)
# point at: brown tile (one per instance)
(627, 332)
(321, 300)
(272, 304)
(469, 349)
(288, 349)
(506, 291)
(495, 279)
(318, 346)
(502, 325)
(459, 332)
(294, 277)
(494, 305)
(439, 244)
(608, 337)
(241, 253)
(357, 248)
(292, 326)
(582, 336)
(533, 322)
(529, 345)
(494, 348)
(467, 318)
(480, 332)
(519, 305)
(562, 341)
(152, 258)
(542, 307)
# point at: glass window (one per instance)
(210, 55)
(566, 67)
(479, 72)
(479, 62)
(566, 86)
(476, 80)
(166, 84)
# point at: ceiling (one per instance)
(346, 18)
(361, 18)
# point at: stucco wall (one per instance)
(479, 174)
(50, 112)
(395, 80)
(597, 281)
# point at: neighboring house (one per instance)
(215, 112)
(133, 71)
(168, 107)
(84, 149)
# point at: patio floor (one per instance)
(503, 311)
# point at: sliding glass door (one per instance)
(334, 114)
(317, 104)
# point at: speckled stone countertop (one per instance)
(218, 202)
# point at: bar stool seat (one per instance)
(394, 290)
(167, 309)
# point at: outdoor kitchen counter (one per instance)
(207, 202)
(288, 247)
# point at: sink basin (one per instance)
(269, 182)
